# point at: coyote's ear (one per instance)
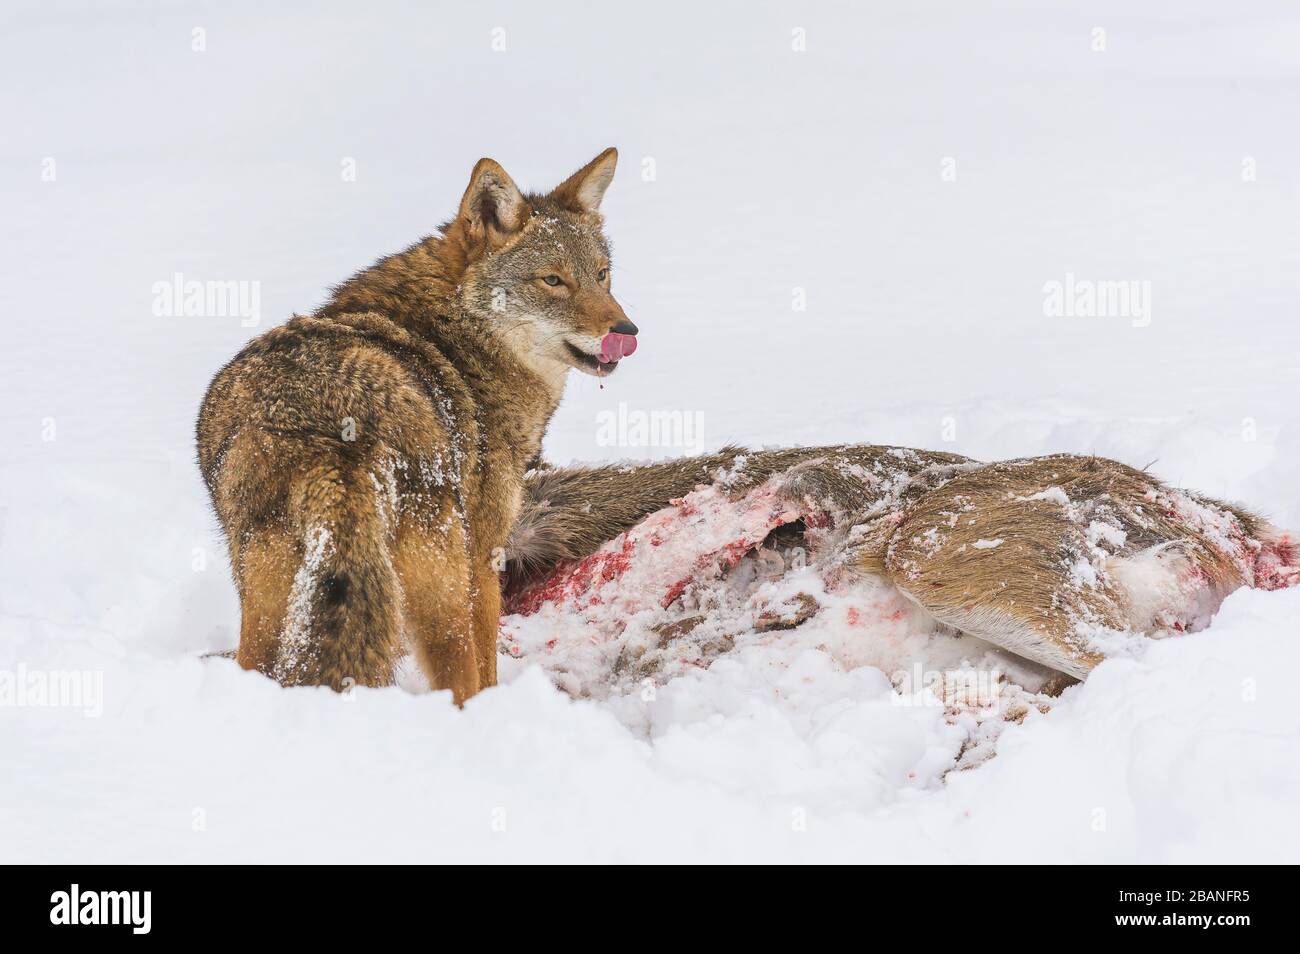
(492, 203)
(583, 190)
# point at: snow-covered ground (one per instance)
(845, 241)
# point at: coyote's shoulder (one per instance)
(366, 461)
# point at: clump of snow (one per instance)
(987, 544)
(1054, 494)
(1101, 532)
(1084, 573)
(931, 541)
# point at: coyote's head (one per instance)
(538, 268)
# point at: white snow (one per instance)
(1054, 494)
(752, 179)
(1100, 532)
(295, 637)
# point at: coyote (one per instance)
(366, 461)
(1053, 558)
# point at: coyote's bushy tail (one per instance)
(341, 627)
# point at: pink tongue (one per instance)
(615, 347)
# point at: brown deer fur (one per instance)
(990, 549)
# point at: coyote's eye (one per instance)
(553, 280)
(602, 274)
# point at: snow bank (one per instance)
(775, 752)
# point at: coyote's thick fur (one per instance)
(1045, 557)
(366, 461)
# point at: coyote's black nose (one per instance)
(624, 327)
